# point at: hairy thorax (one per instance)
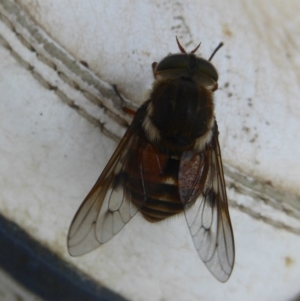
(179, 115)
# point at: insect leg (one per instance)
(125, 109)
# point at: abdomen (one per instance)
(152, 182)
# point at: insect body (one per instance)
(168, 162)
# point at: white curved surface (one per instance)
(51, 155)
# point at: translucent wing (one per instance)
(203, 193)
(108, 207)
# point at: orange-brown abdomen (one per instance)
(153, 185)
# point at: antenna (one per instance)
(179, 45)
(183, 50)
(218, 47)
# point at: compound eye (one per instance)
(207, 68)
(183, 62)
(173, 61)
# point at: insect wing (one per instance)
(107, 208)
(203, 193)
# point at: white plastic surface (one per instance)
(50, 156)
